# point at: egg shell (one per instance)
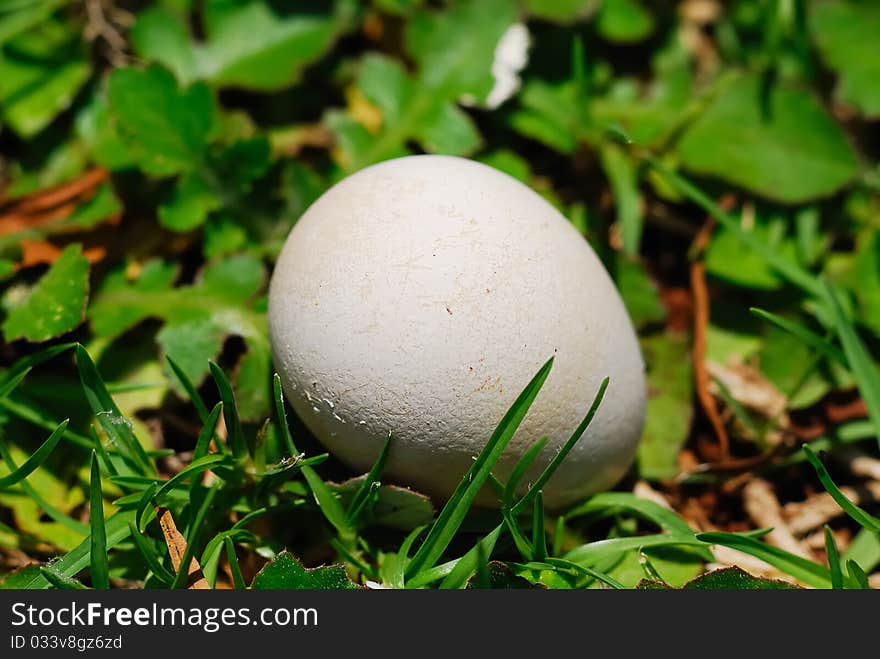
(420, 295)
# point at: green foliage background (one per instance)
(220, 121)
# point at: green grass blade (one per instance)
(37, 458)
(26, 411)
(103, 455)
(395, 576)
(857, 574)
(50, 510)
(10, 379)
(788, 269)
(203, 443)
(539, 483)
(800, 568)
(191, 470)
(367, 490)
(79, 557)
(116, 426)
(195, 530)
(858, 358)
(145, 511)
(324, 496)
(519, 470)
(865, 519)
(453, 513)
(59, 581)
(234, 567)
(612, 549)
(864, 550)
(806, 336)
(190, 389)
(833, 560)
(282, 416)
(150, 555)
(539, 538)
(98, 561)
(585, 571)
(234, 431)
(468, 564)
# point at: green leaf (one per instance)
(624, 21)
(867, 272)
(787, 149)
(560, 11)
(800, 568)
(622, 174)
(729, 259)
(670, 404)
(198, 318)
(60, 581)
(69, 565)
(734, 578)
(56, 304)
(453, 513)
(236, 438)
(833, 560)
(453, 50)
(639, 292)
(846, 34)
(862, 366)
(284, 572)
(190, 203)
(325, 498)
(41, 71)
(247, 44)
(100, 566)
(168, 129)
(467, 565)
(117, 427)
(865, 519)
(449, 130)
(37, 458)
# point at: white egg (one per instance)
(420, 295)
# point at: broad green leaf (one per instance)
(167, 128)
(670, 404)
(56, 304)
(15, 18)
(639, 292)
(846, 33)
(624, 21)
(197, 317)
(41, 71)
(561, 11)
(396, 507)
(729, 259)
(453, 50)
(249, 44)
(785, 147)
(734, 578)
(284, 572)
(191, 201)
(800, 568)
(96, 128)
